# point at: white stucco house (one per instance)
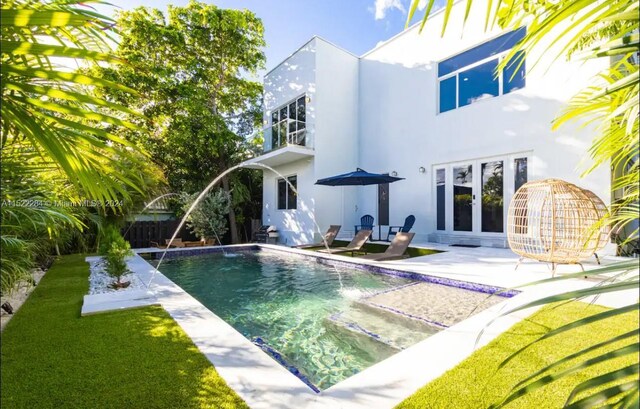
(430, 110)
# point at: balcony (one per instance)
(286, 133)
(285, 142)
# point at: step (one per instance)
(383, 327)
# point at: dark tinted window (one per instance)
(520, 165)
(492, 197)
(302, 113)
(440, 197)
(292, 197)
(282, 194)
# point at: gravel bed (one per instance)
(100, 281)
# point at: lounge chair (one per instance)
(396, 249)
(176, 243)
(329, 236)
(366, 223)
(356, 244)
(405, 228)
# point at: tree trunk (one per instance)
(233, 228)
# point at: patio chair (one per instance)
(356, 244)
(408, 224)
(366, 223)
(176, 243)
(396, 249)
(329, 236)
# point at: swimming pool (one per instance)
(318, 321)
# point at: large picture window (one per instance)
(289, 123)
(472, 75)
(287, 197)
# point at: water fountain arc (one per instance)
(206, 190)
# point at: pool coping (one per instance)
(264, 383)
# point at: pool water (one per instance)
(287, 301)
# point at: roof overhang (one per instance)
(280, 156)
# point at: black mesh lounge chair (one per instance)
(396, 249)
(366, 223)
(329, 236)
(408, 224)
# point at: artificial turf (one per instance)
(477, 381)
(54, 358)
(380, 248)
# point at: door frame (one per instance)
(508, 191)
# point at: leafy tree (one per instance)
(193, 69)
(207, 220)
(602, 29)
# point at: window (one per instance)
(440, 195)
(288, 123)
(463, 198)
(492, 197)
(287, 196)
(471, 76)
(520, 177)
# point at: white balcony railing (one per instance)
(287, 132)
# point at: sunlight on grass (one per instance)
(478, 381)
(139, 358)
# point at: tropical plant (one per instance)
(58, 146)
(588, 30)
(116, 261)
(49, 107)
(208, 218)
(194, 68)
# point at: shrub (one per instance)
(115, 260)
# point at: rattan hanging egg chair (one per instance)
(552, 221)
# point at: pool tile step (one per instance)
(383, 327)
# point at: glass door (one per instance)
(472, 197)
(492, 203)
(463, 197)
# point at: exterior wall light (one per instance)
(421, 169)
(308, 99)
(394, 173)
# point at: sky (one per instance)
(355, 25)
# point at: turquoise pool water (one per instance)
(287, 301)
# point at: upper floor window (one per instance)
(289, 123)
(287, 196)
(471, 76)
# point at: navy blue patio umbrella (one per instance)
(358, 178)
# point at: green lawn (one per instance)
(53, 358)
(380, 248)
(476, 382)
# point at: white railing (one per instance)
(287, 132)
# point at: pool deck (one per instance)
(263, 383)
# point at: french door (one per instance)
(471, 197)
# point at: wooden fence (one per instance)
(141, 234)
